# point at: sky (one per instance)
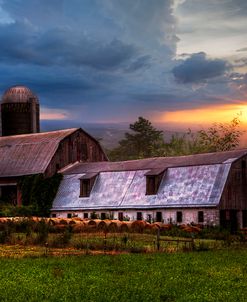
(177, 62)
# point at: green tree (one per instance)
(143, 141)
(146, 141)
(221, 136)
(183, 144)
(218, 137)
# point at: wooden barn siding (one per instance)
(234, 195)
(76, 147)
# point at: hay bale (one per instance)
(102, 226)
(93, 222)
(77, 218)
(114, 226)
(59, 228)
(3, 220)
(183, 226)
(138, 226)
(37, 219)
(54, 221)
(166, 227)
(196, 229)
(63, 221)
(153, 227)
(124, 227)
(78, 227)
(73, 222)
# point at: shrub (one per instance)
(42, 232)
(61, 240)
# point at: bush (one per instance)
(8, 210)
(42, 232)
(214, 232)
(39, 192)
(61, 240)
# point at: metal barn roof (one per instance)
(28, 154)
(157, 163)
(191, 186)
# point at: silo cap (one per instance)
(19, 94)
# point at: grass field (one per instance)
(219, 275)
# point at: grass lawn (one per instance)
(219, 275)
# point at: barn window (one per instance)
(103, 216)
(120, 216)
(86, 184)
(69, 215)
(85, 215)
(150, 185)
(200, 216)
(139, 216)
(153, 180)
(85, 188)
(158, 216)
(179, 217)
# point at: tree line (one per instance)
(144, 140)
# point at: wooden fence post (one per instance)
(158, 239)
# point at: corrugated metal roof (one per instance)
(29, 153)
(158, 162)
(193, 186)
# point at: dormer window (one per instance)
(86, 184)
(153, 180)
(150, 185)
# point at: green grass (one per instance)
(196, 276)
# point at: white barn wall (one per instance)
(211, 216)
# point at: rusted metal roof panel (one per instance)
(29, 153)
(193, 186)
(158, 163)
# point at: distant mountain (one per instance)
(108, 134)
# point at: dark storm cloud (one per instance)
(139, 63)
(104, 60)
(197, 68)
(60, 46)
(169, 101)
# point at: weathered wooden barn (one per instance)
(209, 189)
(42, 153)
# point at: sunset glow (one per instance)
(205, 116)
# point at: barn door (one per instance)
(229, 220)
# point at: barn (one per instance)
(42, 153)
(208, 189)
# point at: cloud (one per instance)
(139, 63)
(22, 42)
(112, 59)
(242, 62)
(197, 69)
(242, 49)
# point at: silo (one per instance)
(20, 111)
